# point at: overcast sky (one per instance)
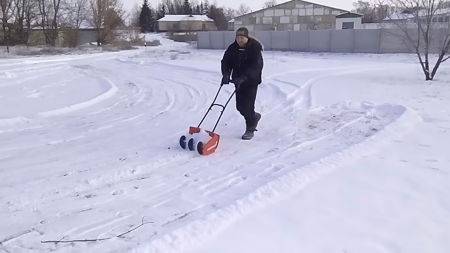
(253, 4)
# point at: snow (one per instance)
(351, 155)
(177, 18)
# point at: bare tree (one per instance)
(270, 3)
(134, 16)
(7, 11)
(24, 14)
(75, 12)
(243, 9)
(417, 22)
(49, 15)
(372, 11)
(230, 13)
(218, 15)
(30, 16)
(173, 7)
(106, 16)
(98, 12)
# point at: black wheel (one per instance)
(200, 148)
(183, 142)
(191, 144)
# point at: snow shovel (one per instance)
(204, 141)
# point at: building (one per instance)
(294, 15)
(349, 21)
(186, 23)
(67, 36)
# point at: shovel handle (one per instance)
(215, 104)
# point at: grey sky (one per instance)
(253, 4)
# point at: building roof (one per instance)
(177, 18)
(349, 15)
(306, 2)
(444, 11)
(86, 25)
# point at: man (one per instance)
(244, 63)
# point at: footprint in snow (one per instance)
(117, 192)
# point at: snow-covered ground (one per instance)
(351, 155)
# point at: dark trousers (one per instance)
(245, 102)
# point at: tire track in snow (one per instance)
(112, 91)
(171, 190)
(281, 188)
(303, 91)
(173, 241)
(103, 127)
(163, 182)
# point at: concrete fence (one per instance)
(338, 41)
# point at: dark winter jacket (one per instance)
(244, 62)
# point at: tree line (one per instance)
(146, 16)
(20, 17)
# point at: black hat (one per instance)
(242, 31)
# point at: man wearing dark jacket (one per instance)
(244, 63)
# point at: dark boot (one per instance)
(251, 128)
(248, 135)
(252, 125)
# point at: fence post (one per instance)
(380, 38)
(309, 40)
(209, 39)
(330, 36)
(271, 40)
(290, 41)
(354, 41)
(224, 39)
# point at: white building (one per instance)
(294, 15)
(186, 23)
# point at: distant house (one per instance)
(186, 23)
(295, 15)
(67, 36)
(349, 21)
(441, 16)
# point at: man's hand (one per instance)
(225, 80)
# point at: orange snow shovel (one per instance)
(204, 141)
